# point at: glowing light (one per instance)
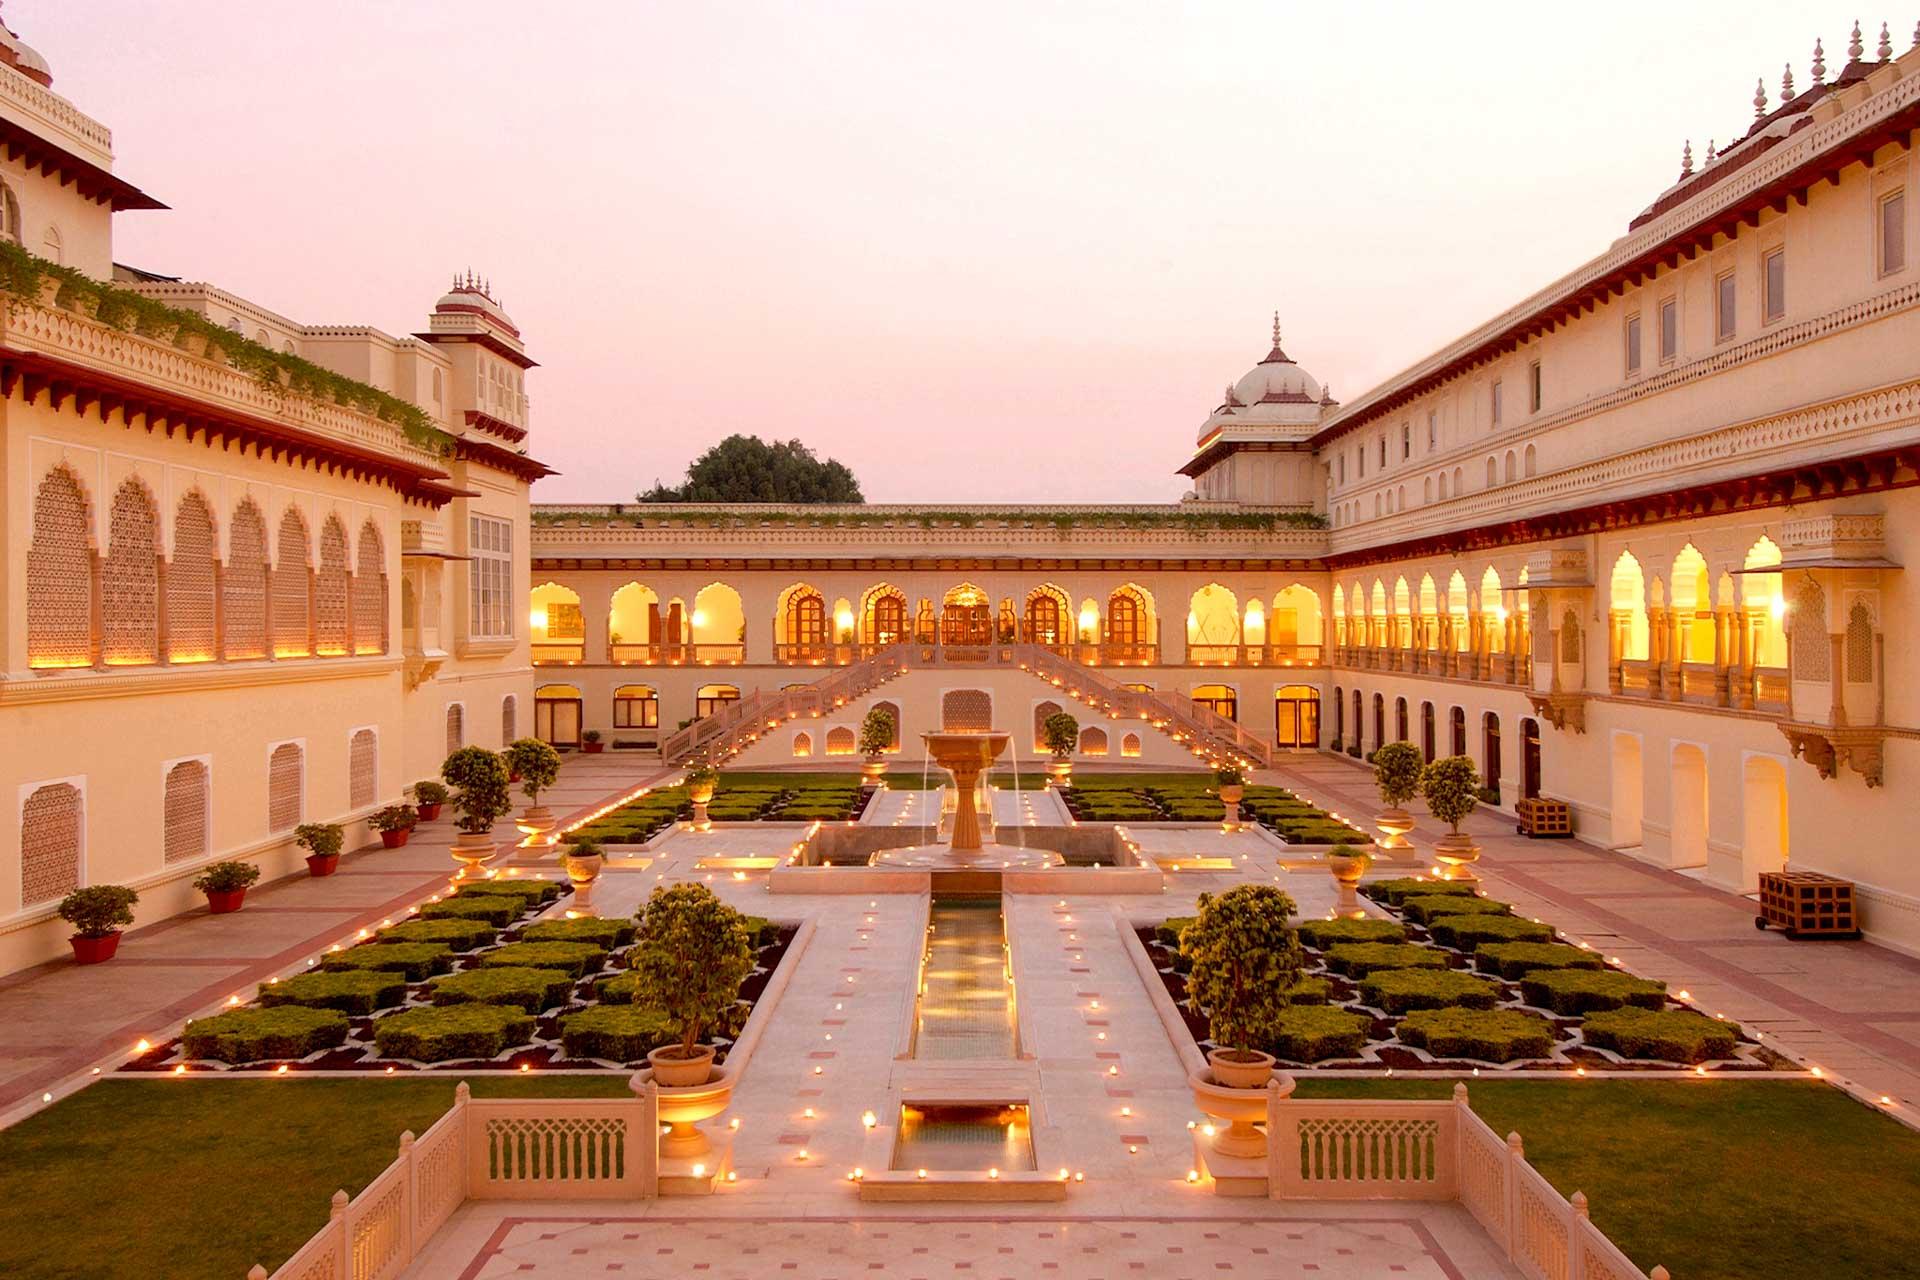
(142, 1047)
(868, 1119)
(1193, 1175)
(699, 1170)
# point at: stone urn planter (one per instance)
(1240, 1068)
(1241, 1106)
(872, 772)
(1231, 793)
(583, 869)
(701, 793)
(472, 850)
(683, 1106)
(1060, 772)
(537, 819)
(1393, 825)
(1456, 852)
(1347, 866)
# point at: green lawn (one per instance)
(204, 1179)
(1776, 1180)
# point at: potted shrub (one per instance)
(322, 841)
(394, 823)
(1347, 865)
(537, 766)
(590, 742)
(97, 914)
(1396, 773)
(225, 884)
(701, 779)
(1232, 785)
(692, 954)
(428, 796)
(1452, 789)
(1245, 955)
(1060, 735)
(582, 863)
(480, 798)
(877, 732)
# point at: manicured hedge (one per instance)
(1512, 959)
(441, 1032)
(1465, 933)
(1321, 934)
(1167, 932)
(497, 909)
(254, 1035)
(1358, 959)
(1575, 991)
(602, 933)
(1424, 909)
(531, 890)
(762, 931)
(530, 990)
(1489, 1035)
(355, 991)
(1313, 1033)
(461, 935)
(418, 960)
(1402, 990)
(1392, 892)
(575, 958)
(1670, 1035)
(1308, 990)
(616, 1032)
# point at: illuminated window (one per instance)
(490, 578)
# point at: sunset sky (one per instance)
(992, 251)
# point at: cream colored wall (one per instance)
(85, 228)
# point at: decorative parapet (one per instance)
(55, 118)
(1827, 747)
(1837, 539)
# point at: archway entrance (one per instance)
(966, 617)
(1529, 758)
(1490, 750)
(557, 712)
(1688, 808)
(1764, 835)
(1296, 717)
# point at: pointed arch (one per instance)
(800, 623)
(291, 615)
(1047, 616)
(370, 591)
(1213, 624)
(1764, 601)
(332, 591)
(191, 594)
(1132, 629)
(883, 615)
(1493, 611)
(1694, 623)
(633, 622)
(60, 574)
(244, 587)
(130, 579)
(1628, 609)
(1294, 625)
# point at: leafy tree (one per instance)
(1060, 734)
(694, 952)
(749, 469)
(479, 781)
(537, 763)
(876, 733)
(1452, 788)
(1245, 955)
(1396, 772)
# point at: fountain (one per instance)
(967, 861)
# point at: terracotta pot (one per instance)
(1394, 825)
(1456, 852)
(428, 812)
(94, 950)
(672, 1071)
(394, 839)
(1240, 1068)
(221, 901)
(318, 865)
(472, 850)
(593, 748)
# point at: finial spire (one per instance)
(1786, 86)
(1819, 63)
(1276, 328)
(1916, 35)
(1686, 159)
(1759, 98)
(1854, 46)
(1712, 155)
(1886, 44)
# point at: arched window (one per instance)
(183, 822)
(1531, 463)
(1130, 745)
(1379, 720)
(1859, 645)
(1457, 730)
(712, 698)
(60, 575)
(802, 745)
(840, 741)
(286, 787)
(456, 727)
(1221, 699)
(1510, 472)
(363, 769)
(1093, 741)
(1130, 626)
(893, 710)
(332, 590)
(1493, 473)
(190, 583)
(636, 706)
(1400, 721)
(130, 580)
(243, 588)
(1046, 617)
(53, 246)
(292, 589)
(803, 622)
(9, 213)
(51, 829)
(370, 592)
(883, 617)
(1426, 731)
(1041, 710)
(509, 719)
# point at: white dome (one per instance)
(469, 293)
(1277, 380)
(23, 57)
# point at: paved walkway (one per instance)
(61, 1018)
(1850, 1008)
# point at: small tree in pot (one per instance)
(322, 841)
(692, 954)
(429, 796)
(877, 733)
(1452, 789)
(1245, 955)
(1396, 773)
(97, 913)
(590, 742)
(1060, 735)
(1232, 785)
(582, 863)
(1347, 865)
(537, 765)
(480, 798)
(395, 823)
(225, 884)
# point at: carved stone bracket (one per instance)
(1561, 710)
(1827, 747)
(422, 668)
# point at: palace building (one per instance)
(258, 572)
(1636, 543)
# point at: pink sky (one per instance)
(978, 252)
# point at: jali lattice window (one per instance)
(802, 745)
(130, 580)
(892, 709)
(840, 741)
(363, 766)
(966, 711)
(1040, 714)
(370, 593)
(292, 589)
(1130, 745)
(332, 588)
(1570, 637)
(50, 844)
(456, 727)
(286, 787)
(1093, 741)
(60, 575)
(184, 835)
(190, 583)
(1859, 645)
(1811, 659)
(243, 588)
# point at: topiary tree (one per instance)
(1452, 789)
(1060, 734)
(693, 953)
(98, 909)
(537, 764)
(1396, 772)
(1245, 955)
(480, 795)
(877, 733)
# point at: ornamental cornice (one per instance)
(26, 689)
(762, 541)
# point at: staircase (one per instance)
(1205, 732)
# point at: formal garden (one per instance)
(737, 797)
(1195, 797)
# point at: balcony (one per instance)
(559, 653)
(666, 654)
(1255, 655)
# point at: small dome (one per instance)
(470, 293)
(1274, 393)
(23, 57)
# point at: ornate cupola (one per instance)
(1273, 408)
